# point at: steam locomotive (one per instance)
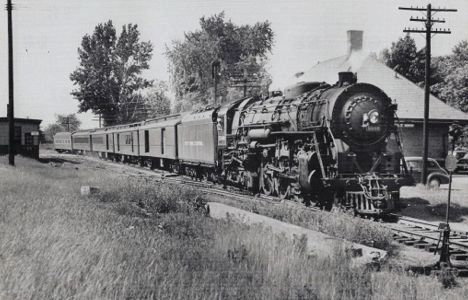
(325, 144)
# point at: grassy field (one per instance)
(141, 240)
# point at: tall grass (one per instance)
(339, 224)
(138, 240)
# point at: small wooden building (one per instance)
(26, 137)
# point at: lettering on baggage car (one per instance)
(193, 143)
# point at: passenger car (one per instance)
(436, 174)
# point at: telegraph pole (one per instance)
(428, 30)
(67, 123)
(10, 112)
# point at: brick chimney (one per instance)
(354, 40)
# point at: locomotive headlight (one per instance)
(374, 117)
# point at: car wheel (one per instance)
(434, 183)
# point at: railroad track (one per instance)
(427, 236)
(408, 231)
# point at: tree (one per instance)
(108, 79)
(404, 57)
(453, 71)
(157, 102)
(62, 123)
(69, 122)
(238, 50)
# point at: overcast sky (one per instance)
(47, 34)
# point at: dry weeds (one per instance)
(132, 242)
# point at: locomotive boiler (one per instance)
(328, 144)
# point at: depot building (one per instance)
(26, 137)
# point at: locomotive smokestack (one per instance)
(346, 78)
(354, 41)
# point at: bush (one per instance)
(151, 198)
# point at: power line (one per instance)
(429, 21)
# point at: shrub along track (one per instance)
(408, 231)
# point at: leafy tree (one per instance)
(153, 104)
(62, 123)
(404, 57)
(239, 50)
(51, 130)
(69, 122)
(453, 70)
(109, 78)
(157, 102)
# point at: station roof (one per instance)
(408, 95)
(22, 120)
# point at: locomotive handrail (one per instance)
(296, 132)
(264, 125)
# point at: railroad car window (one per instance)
(80, 140)
(98, 140)
(128, 139)
(131, 140)
(162, 140)
(107, 142)
(147, 146)
(118, 141)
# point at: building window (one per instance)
(28, 139)
(18, 134)
(147, 146)
(162, 140)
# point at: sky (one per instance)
(47, 34)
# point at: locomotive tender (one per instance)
(327, 144)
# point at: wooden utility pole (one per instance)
(67, 123)
(10, 112)
(428, 30)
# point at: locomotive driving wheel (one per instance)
(267, 184)
(339, 201)
(282, 188)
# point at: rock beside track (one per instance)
(318, 243)
(88, 190)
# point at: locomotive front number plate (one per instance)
(373, 129)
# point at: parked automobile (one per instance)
(460, 153)
(436, 175)
(462, 165)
